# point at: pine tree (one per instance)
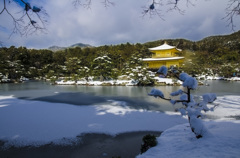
(102, 67)
(136, 69)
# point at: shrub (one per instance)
(148, 142)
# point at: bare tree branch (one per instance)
(232, 10)
(153, 10)
(87, 3)
(34, 19)
(108, 3)
(31, 21)
(174, 5)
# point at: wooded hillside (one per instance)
(211, 55)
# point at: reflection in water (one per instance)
(134, 97)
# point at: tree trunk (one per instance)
(189, 95)
(194, 128)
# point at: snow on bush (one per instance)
(156, 93)
(163, 70)
(190, 82)
(177, 93)
(209, 97)
(183, 76)
(191, 108)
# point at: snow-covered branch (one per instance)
(191, 108)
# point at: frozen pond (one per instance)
(38, 113)
(133, 96)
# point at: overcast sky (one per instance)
(120, 23)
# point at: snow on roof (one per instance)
(162, 59)
(165, 46)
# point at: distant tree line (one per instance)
(213, 55)
(103, 62)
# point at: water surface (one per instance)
(133, 96)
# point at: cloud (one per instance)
(122, 23)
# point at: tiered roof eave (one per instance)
(162, 59)
(164, 47)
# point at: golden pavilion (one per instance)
(164, 55)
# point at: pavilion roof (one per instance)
(162, 59)
(165, 46)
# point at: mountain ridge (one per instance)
(232, 40)
(229, 40)
(81, 45)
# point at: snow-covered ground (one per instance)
(26, 122)
(221, 140)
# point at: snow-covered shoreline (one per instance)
(98, 83)
(158, 81)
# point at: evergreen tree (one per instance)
(136, 69)
(102, 67)
(84, 72)
(73, 65)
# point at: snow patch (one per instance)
(223, 140)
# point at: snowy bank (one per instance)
(221, 140)
(158, 81)
(203, 77)
(163, 81)
(99, 83)
(233, 79)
